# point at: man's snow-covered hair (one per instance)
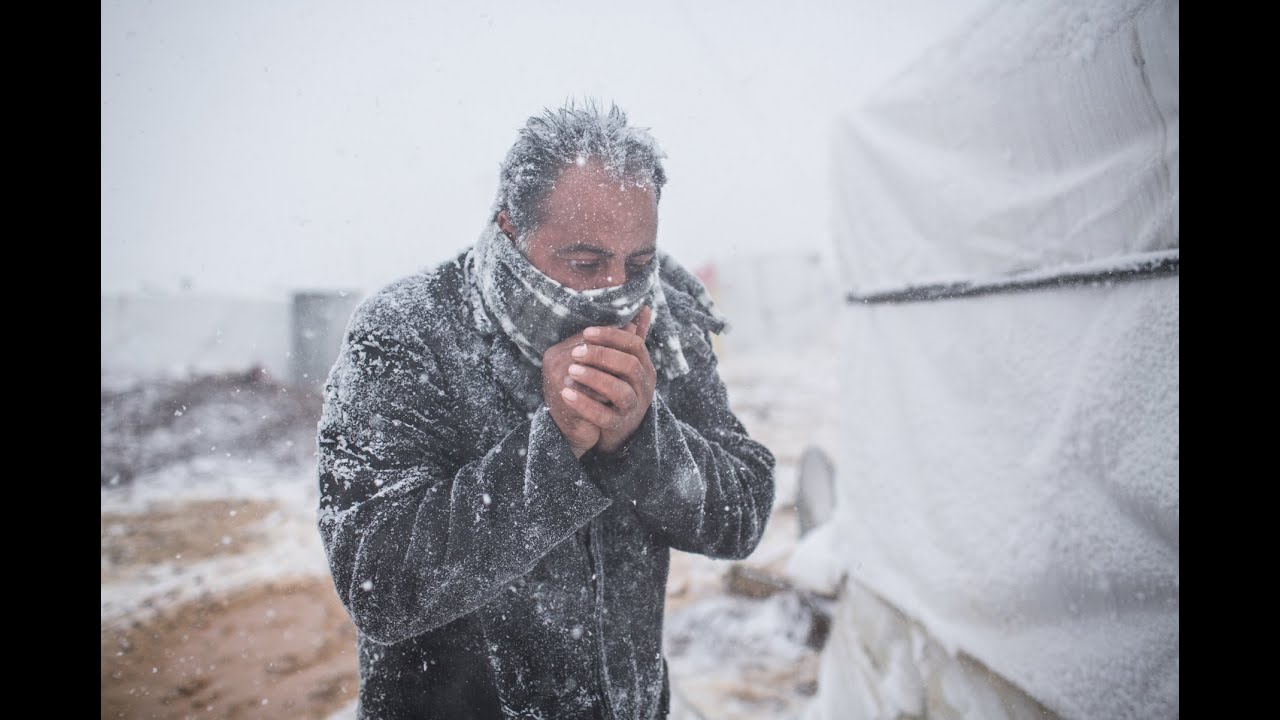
(569, 135)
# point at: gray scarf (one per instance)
(536, 312)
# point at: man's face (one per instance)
(596, 232)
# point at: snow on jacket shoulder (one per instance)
(489, 572)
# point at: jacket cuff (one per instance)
(548, 453)
(625, 474)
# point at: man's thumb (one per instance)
(643, 321)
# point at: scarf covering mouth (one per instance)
(536, 312)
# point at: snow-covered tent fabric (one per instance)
(1040, 134)
(1009, 478)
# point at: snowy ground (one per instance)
(216, 601)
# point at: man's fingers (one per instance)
(590, 410)
(615, 362)
(639, 325)
(569, 382)
(602, 386)
(643, 321)
(616, 338)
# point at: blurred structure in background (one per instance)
(177, 335)
(294, 342)
(773, 302)
(319, 319)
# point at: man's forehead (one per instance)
(586, 197)
(592, 186)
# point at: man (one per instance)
(512, 442)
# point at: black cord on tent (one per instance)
(1161, 266)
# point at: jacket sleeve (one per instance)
(694, 477)
(415, 536)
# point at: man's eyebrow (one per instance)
(597, 250)
(586, 248)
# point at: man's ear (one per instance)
(508, 227)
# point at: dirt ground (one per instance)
(285, 648)
(279, 649)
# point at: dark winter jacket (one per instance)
(488, 571)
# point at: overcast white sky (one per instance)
(253, 148)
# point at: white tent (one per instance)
(1006, 523)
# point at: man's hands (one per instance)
(581, 434)
(598, 385)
